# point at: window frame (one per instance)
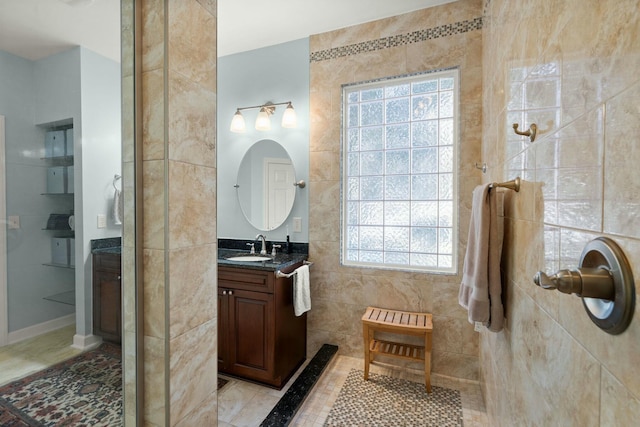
(344, 152)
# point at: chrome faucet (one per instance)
(263, 251)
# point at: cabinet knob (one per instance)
(119, 277)
(224, 292)
(230, 292)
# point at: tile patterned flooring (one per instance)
(243, 404)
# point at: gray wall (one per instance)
(276, 73)
(79, 86)
(28, 247)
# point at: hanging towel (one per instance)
(117, 207)
(481, 288)
(301, 291)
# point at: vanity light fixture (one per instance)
(263, 121)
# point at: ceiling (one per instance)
(34, 29)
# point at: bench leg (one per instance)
(367, 355)
(427, 362)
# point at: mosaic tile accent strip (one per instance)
(398, 40)
(386, 401)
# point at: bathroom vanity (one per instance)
(259, 336)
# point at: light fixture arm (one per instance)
(269, 107)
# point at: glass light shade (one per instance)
(289, 118)
(237, 123)
(262, 121)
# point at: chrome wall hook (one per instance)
(531, 132)
(482, 167)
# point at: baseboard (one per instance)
(86, 342)
(40, 328)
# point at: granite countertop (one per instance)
(112, 250)
(280, 262)
(109, 245)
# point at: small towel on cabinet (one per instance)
(117, 207)
(481, 288)
(301, 291)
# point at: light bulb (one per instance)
(262, 121)
(289, 118)
(237, 123)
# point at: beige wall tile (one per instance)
(186, 54)
(622, 157)
(192, 114)
(342, 294)
(153, 134)
(154, 381)
(192, 205)
(193, 373)
(574, 83)
(154, 293)
(179, 225)
(193, 291)
(154, 205)
(153, 28)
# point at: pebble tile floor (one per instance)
(244, 404)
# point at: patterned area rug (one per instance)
(83, 391)
(385, 401)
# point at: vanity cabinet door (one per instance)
(107, 296)
(251, 334)
(223, 330)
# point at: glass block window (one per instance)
(399, 173)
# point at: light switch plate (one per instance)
(102, 221)
(297, 224)
(13, 222)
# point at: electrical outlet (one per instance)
(102, 221)
(297, 224)
(13, 222)
(478, 326)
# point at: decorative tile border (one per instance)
(287, 407)
(398, 40)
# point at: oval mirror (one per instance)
(265, 185)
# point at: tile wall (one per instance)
(571, 67)
(435, 38)
(180, 242)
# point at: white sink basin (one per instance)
(249, 258)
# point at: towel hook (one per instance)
(482, 167)
(116, 177)
(531, 132)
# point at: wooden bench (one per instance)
(398, 322)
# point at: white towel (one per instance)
(481, 287)
(301, 291)
(117, 207)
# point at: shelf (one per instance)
(52, 264)
(59, 161)
(68, 298)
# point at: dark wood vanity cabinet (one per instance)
(107, 299)
(259, 336)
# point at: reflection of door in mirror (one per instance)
(265, 185)
(279, 191)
